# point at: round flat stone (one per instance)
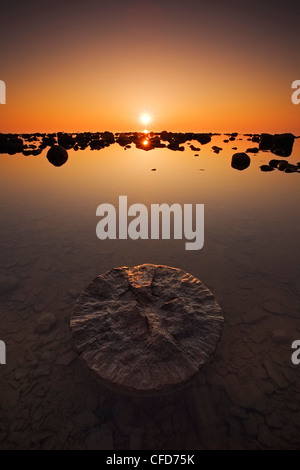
(146, 329)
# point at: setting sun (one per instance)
(145, 118)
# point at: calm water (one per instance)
(248, 397)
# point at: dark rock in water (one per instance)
(97, 144)
(153, 169)
(274, 163)
(216, 149)
(226, 141)
(45, 323)
(108, 137)
(240, 161)
(267, 168)
(266, 142)
(123, 140)
(255, 138)
(290, 169)
(282, 165)
(279, 144)
(8, 284)
(203, 138)
(10, 144)
(253, 150)
(146, 330)
(164, 135)
(175, 146)
(234, 148)
(194, 149)
(65, 140)
(57, 155)
(283, 144)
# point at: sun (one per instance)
(145, 118)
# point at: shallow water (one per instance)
(248, 396)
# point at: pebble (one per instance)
(45, 323)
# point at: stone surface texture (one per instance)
(146, 329)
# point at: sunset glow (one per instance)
(145, 118)
(193, 67)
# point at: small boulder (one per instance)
(45, 323)
(57, 155)
(240, 161)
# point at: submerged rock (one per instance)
(146, 330)
(45, 323)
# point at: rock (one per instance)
(153, 169)
(274, 163)
(266, 168)
(240, 161)
(175, 146)
(108, 137)
(279, 144)
(216, 149)
(164, 135)
(203, 138)
(57, 155)
(123, 140)
(194, 149)
(8, 284)
(290, 169)
(253, 150)
(266, 142)
(45, 323)
(283, 144)
(65, 140)
(282, 165)
(146, 330)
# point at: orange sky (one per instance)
(190, 65)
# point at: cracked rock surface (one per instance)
(146, 329)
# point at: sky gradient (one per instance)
(192, 65)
